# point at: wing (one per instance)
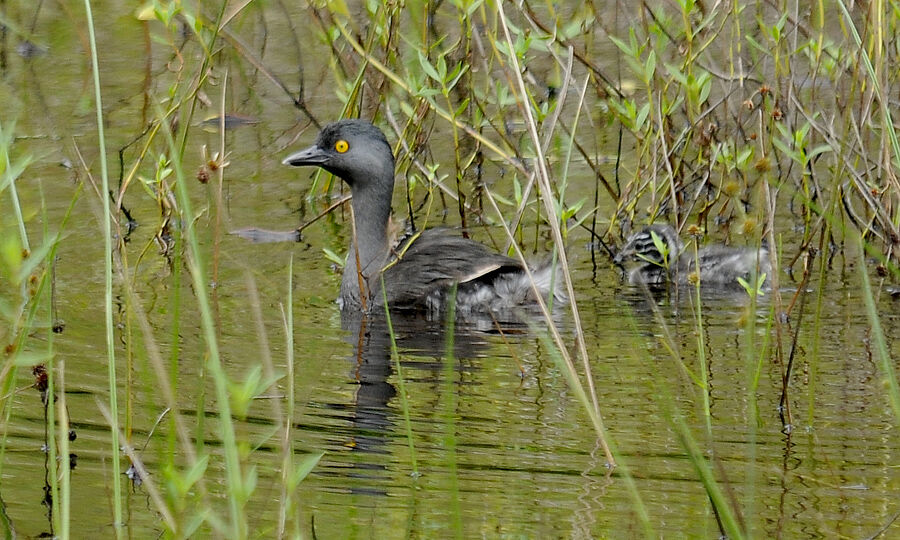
(437, 259)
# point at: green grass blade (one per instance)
(107, 273)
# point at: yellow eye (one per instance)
(341, 146)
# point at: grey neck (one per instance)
(369, 248)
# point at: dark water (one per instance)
(502, 446)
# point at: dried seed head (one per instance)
(763, 165)
(731, 188)
(749, 226)
(41, 379)
(203, 175)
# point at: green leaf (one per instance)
(333, 257)
(650, 66)
(786, 150)
(303, 468)
(15, 171)
(751, 290)
(243, 393)
(503, 200)
(705, 82)
(195, 473)
(624, 47)
(661, 246)
(428, 68)
(642, 117)
(821, 149)
(676, 73)
(35, 258)
(249, 483)
(744, 156)
(462, 107)
(339, 7)
(572, 210)
(457, 75)
(29, 359)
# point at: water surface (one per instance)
(502, 446)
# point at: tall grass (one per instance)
(108, 279)
(26, 310)
(401, 383)
(740, 119)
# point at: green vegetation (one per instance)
(736, 122)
